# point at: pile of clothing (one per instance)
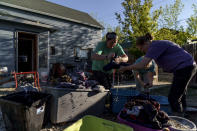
(146, 112)
(77, 80)
(60, 78)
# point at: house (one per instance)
(34, 34)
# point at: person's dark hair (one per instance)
(142, 39)
(111, 35)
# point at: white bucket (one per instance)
(3, 70)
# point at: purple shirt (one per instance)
(169, 55)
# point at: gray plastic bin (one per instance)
(24, 111)
(72, 104)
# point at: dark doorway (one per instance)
(27, 52)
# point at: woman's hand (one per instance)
(118, 60)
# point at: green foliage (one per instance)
(137, 20)
(136, 52)
(169, 15)
(170, 25)
(192, 22)
(164, 34)
(180, 37)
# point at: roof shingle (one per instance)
(54, 10)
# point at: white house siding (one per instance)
(68, 35)
(7, 52)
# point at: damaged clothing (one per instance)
(114, 65)
(145, 112)
(76, 80)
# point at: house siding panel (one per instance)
(67, 36)
(7, 50)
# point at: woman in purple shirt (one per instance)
(173, 59)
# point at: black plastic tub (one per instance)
(24, 111)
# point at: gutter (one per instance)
(48, 14)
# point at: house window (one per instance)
(80, 53)
(52, 50)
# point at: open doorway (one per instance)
(27, 52)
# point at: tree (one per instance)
(178, 36)
(137, 21)
(192, 22)
(164, 34)
(169, 15)
(182, 36)
(170, 29)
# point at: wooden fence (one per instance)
(192, 49)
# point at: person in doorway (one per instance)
(103, 54)
(172, 58)
(144, 77)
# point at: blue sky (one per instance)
(104, 10)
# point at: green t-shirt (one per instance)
(102, 49)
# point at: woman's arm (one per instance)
(141, 65)
(150, 78)
(138, 78)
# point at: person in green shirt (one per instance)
(102, 55)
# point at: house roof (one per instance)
(50, 9)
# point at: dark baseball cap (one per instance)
(111, 35)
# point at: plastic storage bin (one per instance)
(92, 123)
(24, 111)
(120, 96)
(163, 101)
(135, 126)
(72, 104)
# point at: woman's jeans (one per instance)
(177, 94)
